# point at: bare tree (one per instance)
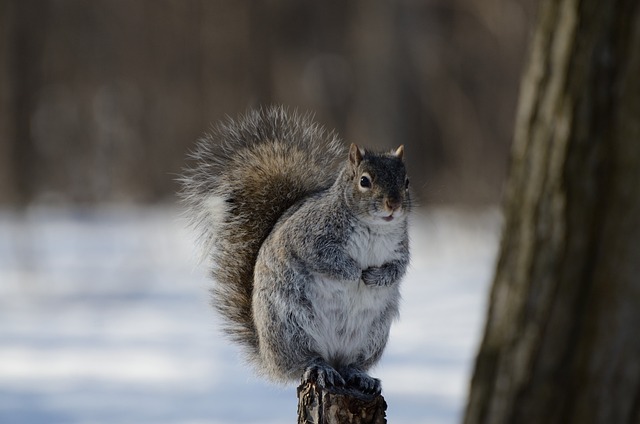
(562, 338)
(25, 25)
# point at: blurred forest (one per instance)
(100, 101)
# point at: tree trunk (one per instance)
(562, 338)
(319, 406)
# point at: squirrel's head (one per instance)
(379, 185)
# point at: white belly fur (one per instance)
(347, 313)
(346, 317)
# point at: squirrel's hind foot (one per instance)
(323, 374)
(327, 377)
(361, 381)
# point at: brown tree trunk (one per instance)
(562, 338)
(320, 406)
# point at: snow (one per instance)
(104, 318)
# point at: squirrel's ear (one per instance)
(355, 155)
(399, 153)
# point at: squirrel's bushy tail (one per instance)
(247, 173)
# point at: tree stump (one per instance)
(338, 406)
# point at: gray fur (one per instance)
(306, 261)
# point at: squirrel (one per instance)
(307, 243)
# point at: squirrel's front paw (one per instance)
(373, 276)
(384, 275)
(324, 375)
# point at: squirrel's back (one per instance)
(247, 173)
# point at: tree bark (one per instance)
(562, 338)
(321, 406)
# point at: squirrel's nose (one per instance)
(392, 203)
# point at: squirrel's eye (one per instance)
(365, 182)
(406, 183)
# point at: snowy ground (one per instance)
(104, 319)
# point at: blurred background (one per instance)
(100, 101)
(103, 306)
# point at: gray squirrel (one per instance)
(307, 244)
